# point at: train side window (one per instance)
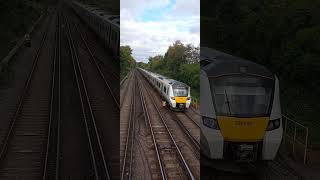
(164, 89)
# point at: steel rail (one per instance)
(126, 89)
(193, 109)
(184, 162)
(55, 115)
(131, 119)
(194, 122)
(283, 168)
(24, 93)
(87, 110)
(128, 79)
(147, 119)
(194, 142)
(98, 67)
(132, 134)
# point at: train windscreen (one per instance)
(242, 95)
(181, 91)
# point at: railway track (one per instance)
(126, 113)
(103, 94)
(61, 114)
(190, 128)
(108, 64)
(23, 149)
(100, 169)
(139, 150)
(68, 152)
(175, 163)
(127, 157)
(125, 90)
(279, 169)
(185, 130)
(110, 90)
(51, 165)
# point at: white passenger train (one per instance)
(175, 93)
(240, 109)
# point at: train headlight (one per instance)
(188, 98)
(273, 124)
(210, 122)
(172, 98)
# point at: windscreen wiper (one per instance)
(228, 102)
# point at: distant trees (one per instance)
(180, 62)
(127, 62)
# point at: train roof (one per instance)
(165, 79)
(114, 19)
(216, 63)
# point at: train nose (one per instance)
(181, 106)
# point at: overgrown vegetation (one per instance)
(283, 35)
(16, 17)
(180, 62)
(127, 62)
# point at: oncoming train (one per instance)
(175, 93)
(240, 109)
(105, 25)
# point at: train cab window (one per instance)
(180, 91)
(242, 96)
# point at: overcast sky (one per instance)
(150, 26)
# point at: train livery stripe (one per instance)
(243, 129)
(180, 99)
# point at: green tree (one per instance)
(127, 62)
(180, 62)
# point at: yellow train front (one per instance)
(240, 109)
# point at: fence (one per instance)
(296, 138)
(195, 103)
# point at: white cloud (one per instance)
(150, 38)
(187, 7)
